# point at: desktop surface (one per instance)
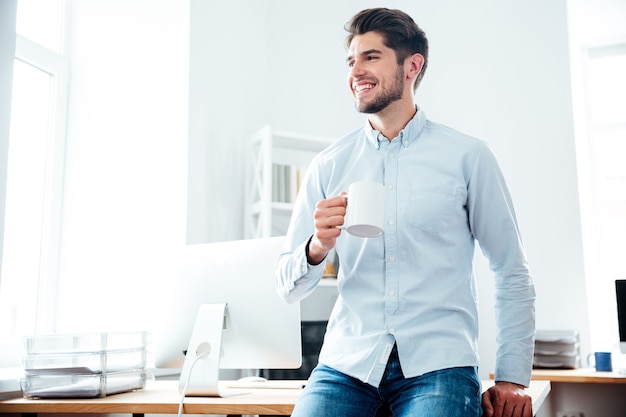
(161, 397)
(580, 375)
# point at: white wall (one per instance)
(497, 70)
(228, 100)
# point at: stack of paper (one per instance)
(557, 349)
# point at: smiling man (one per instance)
(368, 99)
(402, 338)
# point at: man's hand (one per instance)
(329, 214)
(506, 399)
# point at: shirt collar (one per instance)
(407, 135)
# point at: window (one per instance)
(35, 162)
(605, 99)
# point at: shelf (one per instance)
(267, 148)
(277, 207)
(328, 282)
(284, 208)
(292, 140)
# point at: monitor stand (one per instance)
(200, 373)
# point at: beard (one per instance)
(386, 97)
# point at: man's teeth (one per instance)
(360, 88)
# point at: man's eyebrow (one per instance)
(367, 52)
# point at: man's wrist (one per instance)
(520, 386)
(314, 257)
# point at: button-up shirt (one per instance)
(414, 286)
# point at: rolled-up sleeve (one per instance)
(295, 277)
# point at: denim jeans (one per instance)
(453, 392)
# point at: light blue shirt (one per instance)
(415, 286)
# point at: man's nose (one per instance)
(356, 69)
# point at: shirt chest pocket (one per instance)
(430, 207)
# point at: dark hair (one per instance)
(399, 30)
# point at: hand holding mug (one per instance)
(328, 217)
(361, 212)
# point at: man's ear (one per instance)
(414, 65)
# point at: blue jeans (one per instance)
(453, 392)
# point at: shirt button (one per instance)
(392, 259)
(392, 293)
(392, 330)
(390, 187)
(390, 221)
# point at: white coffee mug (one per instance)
(365, 212)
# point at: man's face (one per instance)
(375, 78)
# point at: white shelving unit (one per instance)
(265, 217)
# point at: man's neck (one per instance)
(393, 118)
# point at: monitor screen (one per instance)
(260, 330)
(620, 289)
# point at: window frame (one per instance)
(600, 286)
(57, 65)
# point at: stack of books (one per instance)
(557, 349)
(286, 181)
(84, 365)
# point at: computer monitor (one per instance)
(620, 289)
(225, 290)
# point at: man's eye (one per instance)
(371, 58)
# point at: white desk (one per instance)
(161, 397)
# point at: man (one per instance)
(402, 336)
